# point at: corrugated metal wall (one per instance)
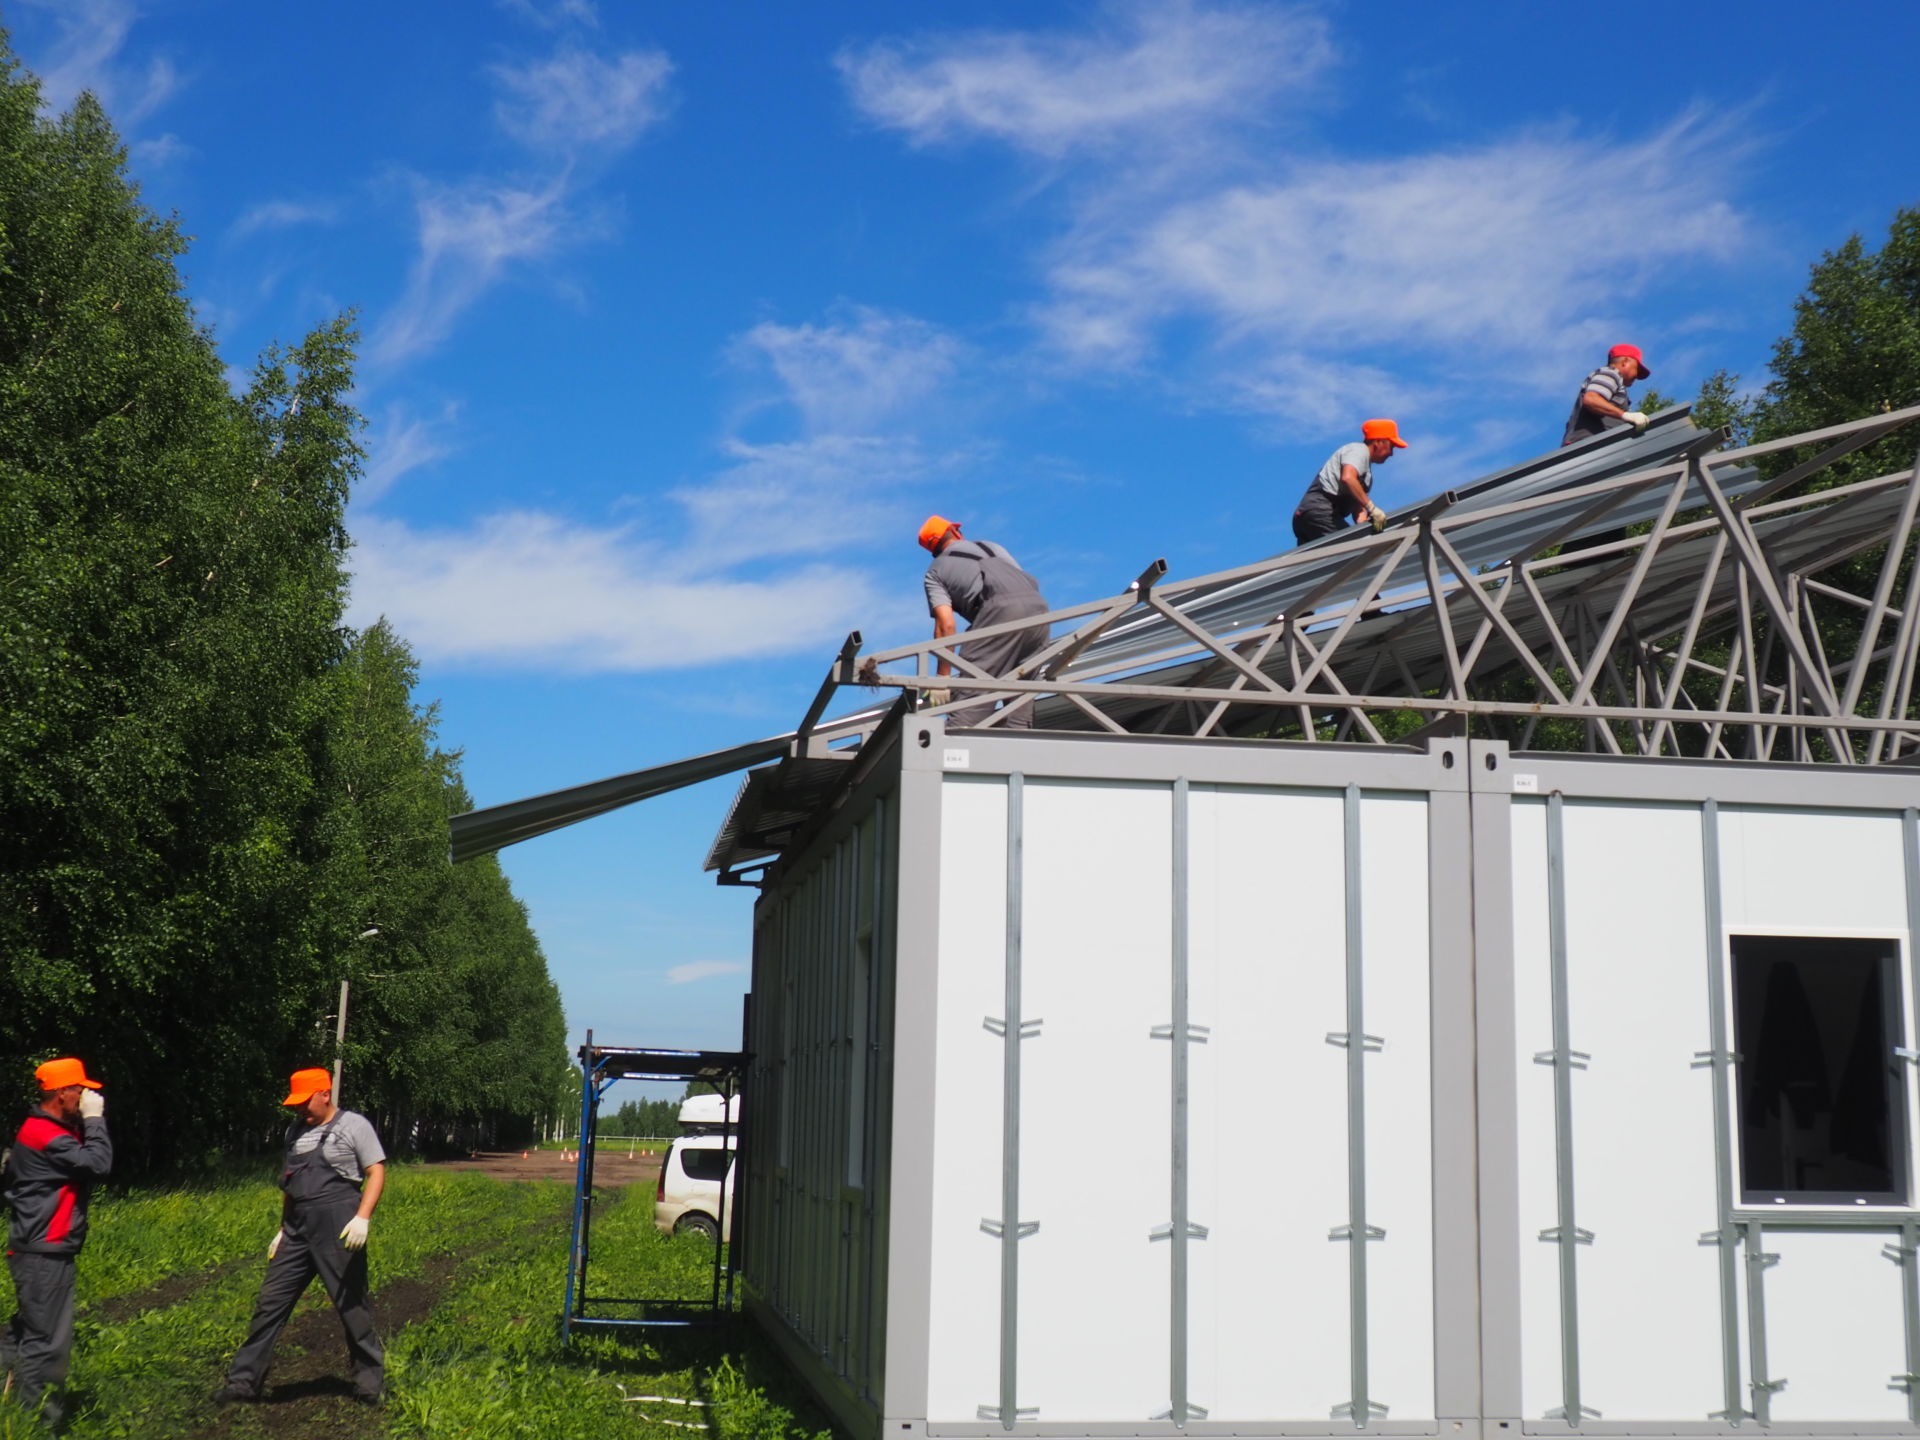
(821, 1085)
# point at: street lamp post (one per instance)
(340, 1024)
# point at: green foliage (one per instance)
(654, 1118)
(211, 785)
(1653, 402)
(1720, 402)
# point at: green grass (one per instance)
(168, 1281)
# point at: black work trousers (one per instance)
(311, 1247)
(37, 1345)
(1312, 524)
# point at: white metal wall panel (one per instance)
(1393, 869)
(1095, 1104)
(964, 1327)
(1812, 871)
(1539, 1336)
(1834, 1327)
(1270, 1140)
(1642, 1115)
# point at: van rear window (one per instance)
(705, 1163)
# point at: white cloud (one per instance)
(469, 236)
(862, 369)
(1152, 69)
(530, 590)
(403, 442)
(704, 970)
(85, 55)
(554, 13)
(283, 215)
(575, 99)
(161, 151)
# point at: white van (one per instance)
(697, 1171)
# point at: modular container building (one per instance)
(1234, 1054)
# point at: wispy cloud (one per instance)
(1286, 280)
(402, 442)
(468, 236)
(728, 566)
(704, 970)
(1143, 68)
(160, 151)
(859, 369)
(575, 99)
(553, 14)
(86, 55)
(283, 215)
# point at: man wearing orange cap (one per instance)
(980, 582)
(61, 1150)
(1342, 490)
(330, 1183)
(1603, 403)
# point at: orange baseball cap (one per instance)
(1382, 430)
(305, 1084)
(1632, 352)
(935, 530)
(58, 1074)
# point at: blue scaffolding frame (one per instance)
(600, 1067)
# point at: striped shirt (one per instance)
(1611, 386)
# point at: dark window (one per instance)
(706, 1163)
(1821, 1097)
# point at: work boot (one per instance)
(234, 1395)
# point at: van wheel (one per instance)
(694, 1223)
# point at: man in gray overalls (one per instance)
(332, 1179)
(982, 584)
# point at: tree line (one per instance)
(220, 801)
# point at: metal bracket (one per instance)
(1899, 1254)
(1557, 1236)
(1345, 1411)
(1165, 1232)
(1196, 1033)
(1911, 1056)
(1587, 1412)
(1372, 1044)
(994, 1412)
(1905, 1384)
(1345, 1232)
(1707, 1059)
(1028, 1028)
(1194, 1412)
(1767, 1387)
(1764, 1260)
(1729, 1236)
(1576, 1059)
(998, 1228)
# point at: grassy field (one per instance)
(468, 1273)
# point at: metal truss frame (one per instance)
(1699, 637)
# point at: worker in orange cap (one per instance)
(1603, 403)
(61, 1150)
(983, 584)
(331, 1181)
(1342, 489)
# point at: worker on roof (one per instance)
(983, 584)
(1602, 403)
(334, 1172)
(1342, 490)
(61, 1150)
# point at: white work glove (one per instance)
(273, 1245)
(939, 697)
(1378, 517)
(93, 1105)
(1635, 419)
(355, 1235)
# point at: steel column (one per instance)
(1719, 1060)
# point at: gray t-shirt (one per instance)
(1358, 456)
(958, 577)
(351, 1144)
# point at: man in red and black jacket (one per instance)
(61, 1150)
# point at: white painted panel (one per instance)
(1638, 991)
(1818, 871)
(1269, 1289)
(964, 1327)
(1095, 1112)
(1834, 1328)
(1533, 1021)
(1394, 927)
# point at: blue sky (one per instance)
(678, 318)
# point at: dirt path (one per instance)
(612, 1167)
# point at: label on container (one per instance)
(956, 759)
(1525, 784)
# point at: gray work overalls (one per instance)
(323, 1200)
(1007, 593)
